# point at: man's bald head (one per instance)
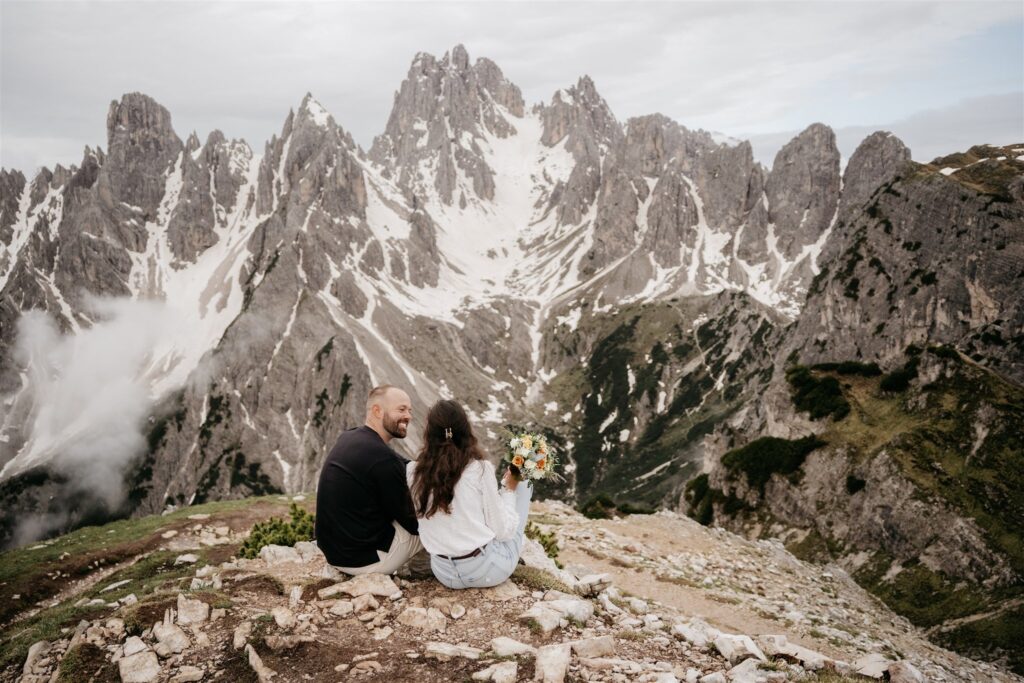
(388, 411)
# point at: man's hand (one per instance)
(509, 480)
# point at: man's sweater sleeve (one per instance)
(394, 493)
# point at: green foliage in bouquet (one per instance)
(276, 531)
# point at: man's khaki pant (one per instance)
(403, 546)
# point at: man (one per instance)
(364, 515)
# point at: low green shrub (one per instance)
(899, 380)
(276, 531)
(600, 506)
(850, 367)
(761, 458)
(819, 396)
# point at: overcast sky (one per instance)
(941, 75)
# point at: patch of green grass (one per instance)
(86, 662)
(630, 634)
(920, 594)
(539, 580)
(997, 637)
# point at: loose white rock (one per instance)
(241, 635)
(192, 611)
(503, 646)
(263, 673)
(141, 667)
(446, 651)
(737, 648)
(284, 617)
(546, 619)
(601, 646)
(431, 619)
(552, 663)
(187, 674)
(279, 554)
(502, 672)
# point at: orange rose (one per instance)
(517, 461)
(540, 464)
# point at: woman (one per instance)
(473, 531)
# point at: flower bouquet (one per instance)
(530, 456)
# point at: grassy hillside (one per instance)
(956, 431)
(40, 584)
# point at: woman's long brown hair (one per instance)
(448, 446)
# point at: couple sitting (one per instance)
(375, 510)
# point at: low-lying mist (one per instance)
(88, 398)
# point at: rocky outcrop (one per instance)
(877, 159)
(803, 189)
(932, 258)
(443, 112)
(287, 615)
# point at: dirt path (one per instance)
(660, 539)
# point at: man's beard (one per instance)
(395, 428)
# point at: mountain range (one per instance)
(648, 295)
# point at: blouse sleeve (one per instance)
(500, 514)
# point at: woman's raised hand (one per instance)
(509, 480)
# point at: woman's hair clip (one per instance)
(448, 432)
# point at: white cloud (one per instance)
(754, 67)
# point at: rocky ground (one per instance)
(641, 598)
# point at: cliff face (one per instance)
(889, 436)
(933, 257)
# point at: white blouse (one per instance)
(479, 513)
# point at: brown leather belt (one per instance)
(464, 557)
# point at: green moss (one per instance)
(86, 662)
(763, 457)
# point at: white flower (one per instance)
(514, 443)
(529, 464)
(522, 451)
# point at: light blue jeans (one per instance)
(498, 559)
